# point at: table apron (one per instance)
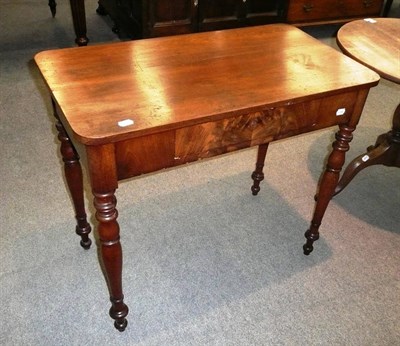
(175, 147)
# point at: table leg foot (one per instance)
(84, 233)
(311, 237)
(121, 326)
(258, 174)
(115, 29)
(307, 249)
(118, 312)
(82, 41)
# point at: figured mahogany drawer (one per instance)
(315, 10)
(175, 147)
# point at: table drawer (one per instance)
(227, 135)
(175, 147)
(314, 10)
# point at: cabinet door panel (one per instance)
(264, 11)
(165, 17)
(125, 14)
(220, 14)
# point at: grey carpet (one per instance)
(205, 262)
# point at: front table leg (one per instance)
(328, 183)
(111, 254)
(104, 181)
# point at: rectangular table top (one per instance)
(117, 91)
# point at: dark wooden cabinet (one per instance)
(220, 14)
(223, 14)
(152, 18)
(314, 11)
(259, 12)
(126, 15)
(161, 17)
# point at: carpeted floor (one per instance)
(205, 262)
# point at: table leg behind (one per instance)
(53, 7)
(258, 174)
(73, 175)
(79, 21)
(104, 182)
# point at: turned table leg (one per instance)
(111, 254)
(104, 182)
(328, 183)
(73, 175)
(258, 174)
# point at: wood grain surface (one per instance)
(172, 82)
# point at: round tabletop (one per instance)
(374, 42)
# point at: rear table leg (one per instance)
(53, 7)
(258, 174)
(73, 175)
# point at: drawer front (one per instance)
(146, 154)
(175, 147)
(227, 135)
(314, 10)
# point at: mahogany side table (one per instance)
(136, 107)
(375, 42)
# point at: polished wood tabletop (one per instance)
(136, 107)
(375, 42)
(166, 83)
